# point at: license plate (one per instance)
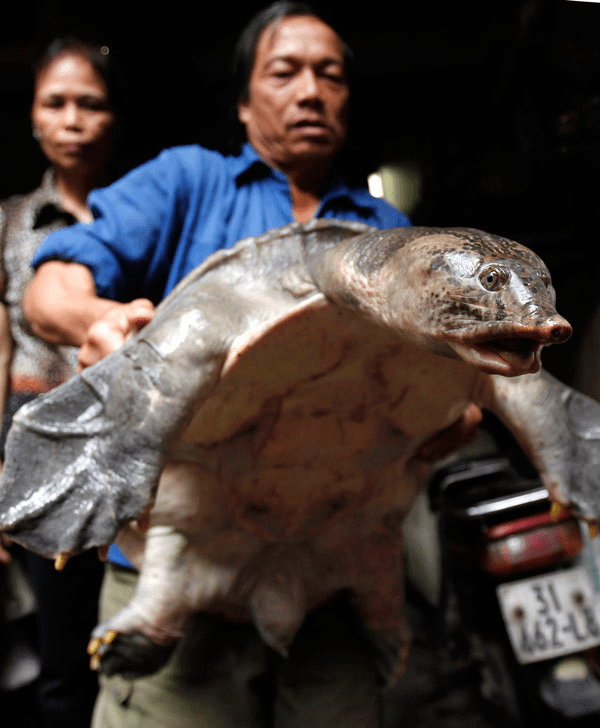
(550, 615)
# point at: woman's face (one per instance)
(71, 115)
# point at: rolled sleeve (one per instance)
(77, 247)
(136, 226)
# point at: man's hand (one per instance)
(5, 557)
(462, 432)
(111, 331)
(62, 306)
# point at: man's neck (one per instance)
(306, 190)
(304, 203)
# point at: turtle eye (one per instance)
(494, 277)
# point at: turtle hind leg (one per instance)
(152, 610)
(128, 645)
(131, 655)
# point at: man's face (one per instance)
(298, 94)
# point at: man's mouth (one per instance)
(310, 124)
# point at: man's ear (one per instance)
(243, 112)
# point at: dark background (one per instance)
(498, 103)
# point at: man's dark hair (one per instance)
(245, 50)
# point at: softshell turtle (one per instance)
(280, 395)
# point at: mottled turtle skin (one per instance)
(266, 425)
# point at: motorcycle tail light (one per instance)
(530, 543)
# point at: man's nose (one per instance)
(309, 86)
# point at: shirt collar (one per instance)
(356, 196)
(249, 163)
(45, 203)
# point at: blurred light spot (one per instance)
(399, 183)
(375, 185)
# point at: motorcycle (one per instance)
(514, 581)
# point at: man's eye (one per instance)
(53, 103)
(334, 77)
(281, 70)
(333, 72)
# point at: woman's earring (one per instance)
(36, 133)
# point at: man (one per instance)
(96, 284)
(294, 108)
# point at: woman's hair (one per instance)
(99, 57)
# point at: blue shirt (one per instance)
(164, 218)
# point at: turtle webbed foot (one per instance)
(131, 655)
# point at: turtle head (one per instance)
(458, 292)
(479, 297)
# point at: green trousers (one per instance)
(223, 676)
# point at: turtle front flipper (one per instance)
(85, 458)
(66, 486)
(559, 429)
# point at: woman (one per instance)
(73, 120)
(76, 92)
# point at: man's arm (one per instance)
(63, 307)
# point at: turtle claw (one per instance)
(556, 510)
(96, 643)
(131, 655)
(61, 561)
(97, 647)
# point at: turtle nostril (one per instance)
(560, 331)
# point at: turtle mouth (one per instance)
(519, 354)
(509, 356)
(508, 348)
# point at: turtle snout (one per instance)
(556, 330)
